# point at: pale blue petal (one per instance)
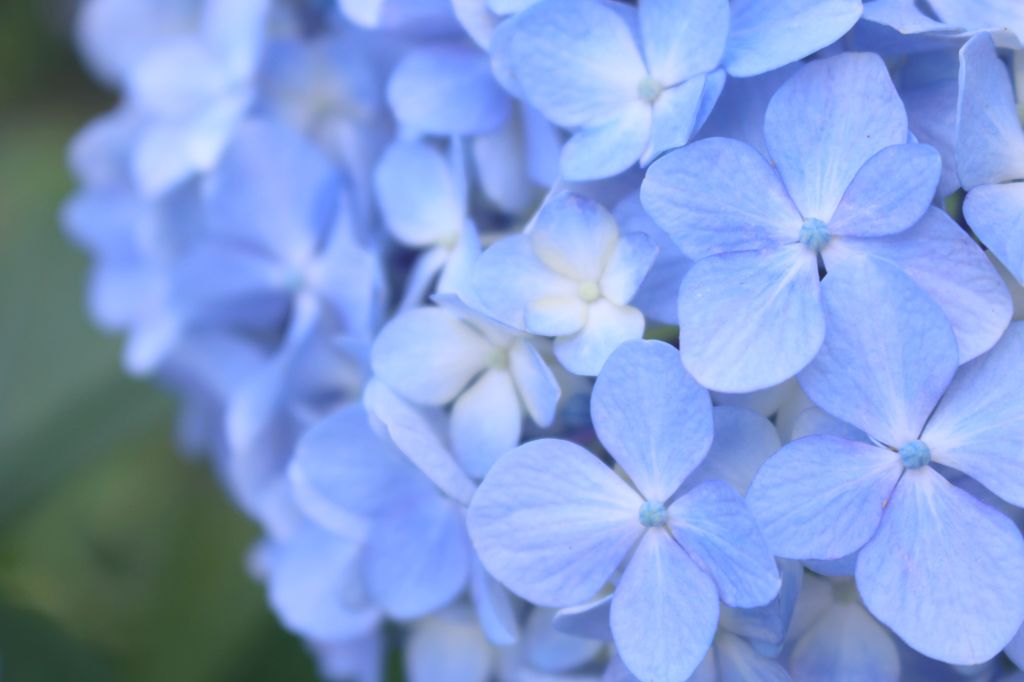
(664, 612)
(739, 112)
(310, 586)
(716, 529)
(486, 422)
(428, 355)
(945, 572)
(537, 385)
(978, 427)
(298, 194)
(576, 61)
(989, 143)
(552, 523)
(889, 193)
(766, 401)
(888, 355)
(550, 650)
(737, 660)
(574, 236)
(509, 275)
(495, 608)
(417, 557)
(627, 267)
(450, 648)
(766, 626)
(417, 194)
(838, 645)
(254, 292)
(555, 315)
(766, 35)
(418, 439)
(750, 319)
(822, 497)
(826, 122)
(949, 266)
(341, 464)
(1005, 15)
(996, 214)
(609, 147)
(675, 115)
(658, 292)
(651, 416)
(447, 90)
(590, 620)
(608, 327)
(743, 441)
(683, 39)
(742, 204)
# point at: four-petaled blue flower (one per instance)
(554, 523)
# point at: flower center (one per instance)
(915, 454)
(589, 292)
(814, 234)
(653, 514)
(648, 89)
(497, 358)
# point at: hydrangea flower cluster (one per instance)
(586, 340)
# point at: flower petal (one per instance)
(837, 642)
(996, 214)
(890, 192)
(664, 612)
(447, 90)
(609, 148)
(825, 122)
(714, 526)
(417, 194)
(978, 427)
(652, 417)
(574, 236)
(552, 523)
(767, 35)
(947, 264)
(742, 204)
(538, 388)
(944, 571)
(822, 497)
(486, 422)
(508, 276)
(608, 327)
(683, 39)
(743, 441)
(888, 355)
(989, 141)
(429, 355)
(576, 60)
(750, 319)
(417, 557)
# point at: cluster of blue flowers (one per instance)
(587, 340)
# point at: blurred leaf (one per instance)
(34, 649)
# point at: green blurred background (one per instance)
(119, 561)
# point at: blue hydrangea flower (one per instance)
(486, 371)
(941, 569)
(843, 184)
(634, 83)
(195, 91)
(572, 277)
(422, 197)
(267, 252)
(416, 555)
(990, 153)
(553, 523)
